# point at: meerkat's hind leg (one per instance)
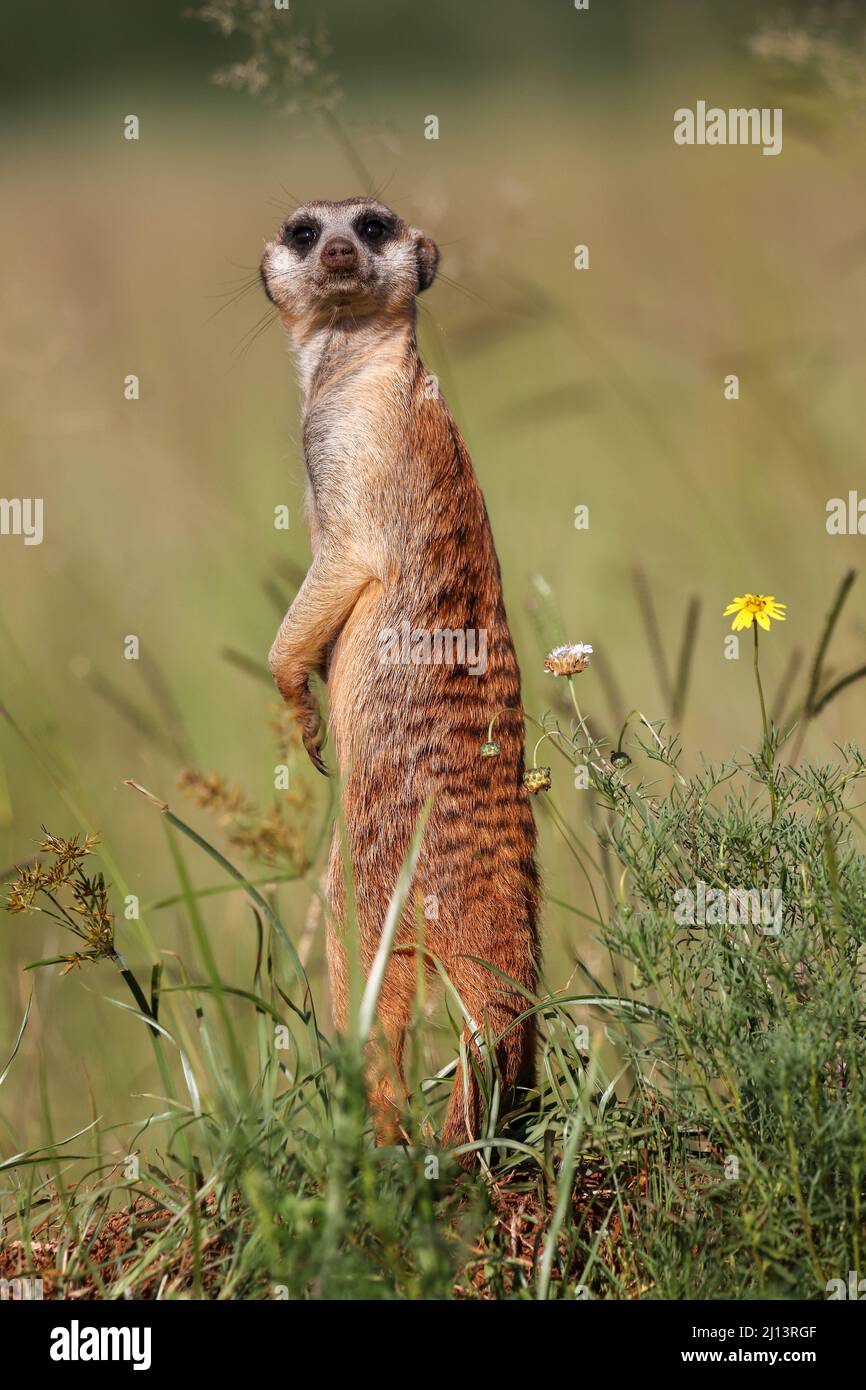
(383, 1064)
(386, 1083)
(335, 952)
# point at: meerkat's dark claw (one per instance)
(315, 757)
(313, 737)
(297, 696)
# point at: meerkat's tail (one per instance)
(495, 1011)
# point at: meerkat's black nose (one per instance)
(339, 253)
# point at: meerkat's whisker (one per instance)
(230, 297)
(255, 332)
(471, 294)
(377, 193)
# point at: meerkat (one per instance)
(401, 542)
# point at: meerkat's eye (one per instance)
(373, 230)
(302, 236)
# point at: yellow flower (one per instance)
(760, 607)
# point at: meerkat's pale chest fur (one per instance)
(401, 540)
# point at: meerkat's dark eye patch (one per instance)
(301, 236)
(375, 231)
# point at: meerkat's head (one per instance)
(348, 260)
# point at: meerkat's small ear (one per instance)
(428, 260)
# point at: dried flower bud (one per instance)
(568, 660)
(537, 779)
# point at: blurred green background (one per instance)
(601, 387)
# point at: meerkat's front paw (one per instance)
(306, 711)
(295, 691)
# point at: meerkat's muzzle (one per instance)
(342, 271)
(339, 256)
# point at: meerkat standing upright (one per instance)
(402, 544)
